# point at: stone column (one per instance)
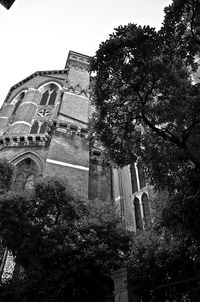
(121, 289)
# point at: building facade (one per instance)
(44, 131)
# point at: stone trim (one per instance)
(29, 102)
(64, 127)
(21, 122)
(60, 163)
(72, 91)
(23, 141)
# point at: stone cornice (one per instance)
(71, 129)
(24, 140)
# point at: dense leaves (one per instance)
(147, 99)
(182, 23)
(148, 107)
(6, 174)
(146, 103)
(65, 246)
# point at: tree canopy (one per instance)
(64, 246)
(146, 102)
(148, 106)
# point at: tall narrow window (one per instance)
(52, 98)
(43, 128)
(45, 97)
(34, 129)
(133, 178)
(146, 210)
(138, 217)
(18, 101)
(26, 172)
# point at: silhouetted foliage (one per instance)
(65, 246)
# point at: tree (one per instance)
(160, 265)
(148, 107)
(65, 246)
(182, 19)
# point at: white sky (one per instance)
(37, 34)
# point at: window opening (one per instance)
(45, 97)
(52, 98)
(43, 128)
(133, 178)
(138, 217)
(34, 129)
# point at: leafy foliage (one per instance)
(148, 107)
(65, 246)
(182, 22)
(6, 174)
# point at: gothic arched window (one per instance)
(133, 178)
(52, 97)
(43, 128)
(34, 129)
(45, 98)
(49, 93)
(16, 102)
(39, 128)
(48, 97)
(26, 172)
(138, 217)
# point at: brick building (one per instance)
(44, 131)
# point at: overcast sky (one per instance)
(37, 34)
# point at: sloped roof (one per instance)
(41, 73)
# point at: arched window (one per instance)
(34, 129)
(39, 128)
(52, 97)
(26, 172)
(133, 178)
(16, 102)
(146, 210)
(45, 98)
(43, 128)
(138, 217)
(50, 91)
(48, 97)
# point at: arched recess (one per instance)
(138, 217)
(19, 97)
(49, 92)
(17, 100)
(28, 166)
